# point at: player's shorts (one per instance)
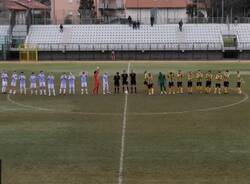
(133, 83)
(171, 84)
(13, 84)
(33, 85)
(208, 84)
(117, 84)
(145, 83)
(72, 86)
(51, 86)
(42, 84)
(199, 84)
(150, 86)
(22, 86)
(4, 83)
(124, 83)
(105, 84)
(63, 86)
(238, 84)
(190, 84)
(179, 84)
(226, 84)
(217, 85)
(84, 84)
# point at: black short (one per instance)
(117, 84)
(208, 84)
(132, 83)
(145, 83)
(124, 83)
(199, 84)
(238, 84)
(150, 86)
(171, 84)
(190, 84)
(226, 84)
(179, 84)
(217, 85)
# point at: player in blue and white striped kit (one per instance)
(33, 81)
(42, 83)
(22, 83)
(63, 84)
(4, 77)
(51, 85)
(84, 83)
(71, 79)
(105, 83)
(13, 83)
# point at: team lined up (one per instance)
(67, 83)
(175, 82)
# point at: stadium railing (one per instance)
(144, 20)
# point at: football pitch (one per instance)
(126, 139)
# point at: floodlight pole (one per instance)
(222, 10)
(137, 10)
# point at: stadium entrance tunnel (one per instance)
(231, 54)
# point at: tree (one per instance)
(2, 5)
(87, 11)
(4, 14)
(238, 8)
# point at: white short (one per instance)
(13, 84)
(72, 86)
(51, 86)
(84, 85)
(33, 85)
(4, 84)
(42, 84)
(105, 84)
(22, 86)
(63, 86)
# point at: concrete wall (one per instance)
(133, 55)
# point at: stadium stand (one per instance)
(123, 37)
(4, 32)
(242, 32)
(201, 41)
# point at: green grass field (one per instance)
(178, 139)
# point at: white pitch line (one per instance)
(24, 105)
(55, 111)
(124, 126)
(246, 97)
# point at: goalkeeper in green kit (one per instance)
(162, 83)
